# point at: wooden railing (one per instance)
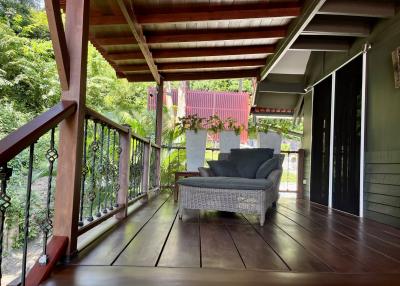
(40, 131)
(118, 168)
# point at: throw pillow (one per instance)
(223, 168)
(267, 167)
(205, 172)
(248, 161)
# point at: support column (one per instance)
(159, 123)
(69, 171)
(124, 160)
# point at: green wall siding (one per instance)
(382, 161)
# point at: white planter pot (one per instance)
(270, 140)
(195, 149)
(228, 140)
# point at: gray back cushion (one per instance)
(223, 168)
(224, 156)
(267, 167)
(205, 172)
(248, 161)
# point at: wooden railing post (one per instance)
(69, 171)
(300, 173)
(146, 167)
(159, 123)
(124, 160)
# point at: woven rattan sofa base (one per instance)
(240, 201)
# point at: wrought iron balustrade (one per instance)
(27, 156)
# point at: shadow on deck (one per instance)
(300, 243)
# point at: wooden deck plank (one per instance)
(255, 252)
(105, 249)
(347, 228)
(334, 257)
(217, 248)
(149, 276)
(145, 248)
(293, 253)
(182, 248)
(373, 261)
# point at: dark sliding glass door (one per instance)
(347, 137)
(321, 128)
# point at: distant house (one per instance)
(207, 103)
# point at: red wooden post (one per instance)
(69, 171)
(124, 160)
(300, 173)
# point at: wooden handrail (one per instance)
(28, 134)
(145, 140)
(99, 117)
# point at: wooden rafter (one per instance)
(139, 37)
(215, 35)
(195, 65)
(196, 52)
(221, 12)
(177, 76)
(53, 11)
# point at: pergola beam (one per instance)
(311, 8)
(213, 13)
(139, 37)
(53, 11)
(365, 8)
(215, 35)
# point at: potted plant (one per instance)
(267, 138)
(196, 137)
(230, 135)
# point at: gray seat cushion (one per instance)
(232, 183)
(248, 161)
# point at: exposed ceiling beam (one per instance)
(365, 8)
(177, 76)
(338, 26)
(195, 65)
(196, 52)
(215, 35)
(207, 13)
(327, 44)
(311, 7)
(139, 37)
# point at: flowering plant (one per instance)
(190, 122)
(215, 124)
(232, 125)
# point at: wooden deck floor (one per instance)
(298, 239)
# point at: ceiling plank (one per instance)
(338, 26)
(325, 44)
(53, 12)
(195, 65)
(215, 35)
(177, 76)
(365, 8)
(133, 55)
(138, 34)
(311, 7)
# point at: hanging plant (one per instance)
(190, 122)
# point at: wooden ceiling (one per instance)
(149, 40)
